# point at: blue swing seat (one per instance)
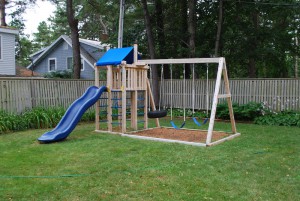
(176, 127)
(198, 123)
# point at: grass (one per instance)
(262, 164)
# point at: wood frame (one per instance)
(222, 71)
(130, 79)
(125, 79)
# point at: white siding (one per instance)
(7, 63)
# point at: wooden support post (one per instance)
(97, 105)
(135, 53)
(229, 102)
(152, 104)
(134, 114)
(109, 97)
(123, 89)
(145, 108)
(215, 101)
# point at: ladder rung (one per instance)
(116, 115)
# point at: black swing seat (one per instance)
(157, 114)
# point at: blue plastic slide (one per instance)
(73, 115)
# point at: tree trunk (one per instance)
(296, 60)
(161, 39)
(2, 13)
(252, 68)
(151, 51)
(192, 33)
(73, 23)
(219, 30)
(253, 46)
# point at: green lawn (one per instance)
(262, 164)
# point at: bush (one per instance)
(64, 74)
(285, 118)
(246, 112)
(43, 117)
(11, 122)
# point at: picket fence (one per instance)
(278, 94)
(17, 94)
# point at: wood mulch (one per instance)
(180, 134)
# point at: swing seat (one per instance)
(157, 114)
(176, 127)
(198, 123)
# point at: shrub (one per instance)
(285, 118)
(246, 112)
(64, 74)
(43, 117)
(11, 122)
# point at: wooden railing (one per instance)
(18, 94)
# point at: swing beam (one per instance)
(222, 71)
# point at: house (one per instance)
(7, 51)
(59, 56)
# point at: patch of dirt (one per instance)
(181, 134)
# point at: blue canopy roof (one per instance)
(116, 56)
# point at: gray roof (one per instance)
(84, 54)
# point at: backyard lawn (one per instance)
(262, 164)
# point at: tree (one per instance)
(73, 23)
(59, 22)
(19, 5)
(2, 13)
(219, 29)
(43, 37)
(151, 43)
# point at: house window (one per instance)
(70, 63)
(52, 64)
(0, 47)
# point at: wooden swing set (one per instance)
(129, 86)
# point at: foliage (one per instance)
(261, 164)
(43, 117)
(24, 46)
(246, 112)
(36, 118)
(259, 39)
(43, 37)
(11, 122)
(285, 118)
(88, 115)
(278, 105)
(64, 74)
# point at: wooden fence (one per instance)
(18, 94)
(276, 93)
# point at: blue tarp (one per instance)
(116, 56)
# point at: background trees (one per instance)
(258, 38)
